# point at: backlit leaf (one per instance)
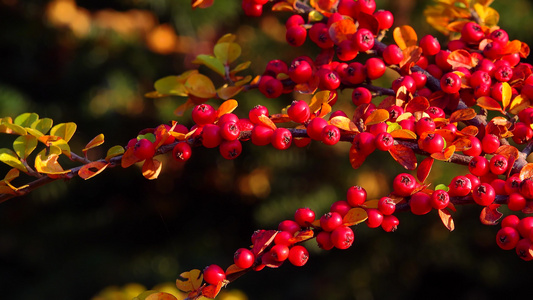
(11, 159)
(377, 116)
(316, 102)
(356, 159)
(26, 119)
(370, 203)
(200, 86)
(303, 235)
(43, 125)
(184, 107)
(403, 134)
(490, 215)
(324, 110)
(227, 92)
(445, 155)
(201, 4)
(227, 38)
(61, 144)
(344, 123)
(190, 281)
(227, 107)
(265, 121)
(12, 129)
(489, 104)
(411, 55)
(461, 58)
(508, 151)
(512, 47)
(95, 142)
(47, 162)
(114, 151)
(170, 85)
(446, 219)
(211, 291)
(6, 189)
(263, 240)
(24, 145)
(417, 104)
(269, 261)
(241, 67)
(151, 168)
(92, 169)
(64, 130)
(424, 169)
(526, 172)
(462, 115)
(232, 269)
(507, 94)
(128, 158)
(462, 144)
(405, 36)
(355, 216)
(12, 174)
(227, 53)
(470, 130)
(518, 104)
(404, 155)
(342, 30)
(524, 50)
(211, 62)
(369, 22)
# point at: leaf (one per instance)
(47, 162)
(26, 119)
(325, 109)
(405, 36)
(445, 155)
(128, 158)
(11, 174)
(424, 168)
(404, 155)
(411, 55)
(233, 269)
(12, 129)
(92, 169)
(269, 261)
(190, 281)
(227, 38)
(280, 118)
(183, 108)
(377, 116)
(462, 115)
(369, 22)
(490, 214)
(11, 159)
(302, 236)
(442, 187)
(403, 134)
(265, 121)
(64, 130)
(355, 216)
(446, 218)
(526, 172)
(356, 159)
(42, 125)
(240, 67)
(342, 30)
(227, 107)
(489, 103)
(227, 53)
(344, 123)
(151, 168)
(318, 99)
(211, 291)
(61, 144)
(263, 240)
(24, 145)
(95, 142)
(417, 104)
(202, 3)
(227, 92)
(211, 62)
(170, 85)
(114, 151)
(518, 104)
(507, 95)
(200, 86)
(508, 151)
(461, 58)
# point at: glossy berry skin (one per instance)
(523, 249)
(472, 33)
(507, 238)
(450, 83)
(144, 149)
(420, 203)
(290, 226)
(329, 79)
(460, 186)
(229, 131)
(490, 143)
(342, 207)
(304, 216)
(375, 68)
(281, 138)
(484, 194)
(375, 218)
(243, 258)
(440, 199)
(279, 252)
(203, 114)
(294, 20)
(430, 45)
(498, 164)
(261, 135)
(211, 137)
(404, 184)
(386, 206)
(524, 226)
(257, 111)
(330, 221)
(283, 238)
(299, 111)
(342, 237)
(300, 71)
(424, 125)
(516, 202)
(510, 221)
(181, 152)
(213, 274)
(331, 135)
(361, 95)
(475, 148)
(298, 255)
(363, 39)
(295, 36)
(479, 166)
(512, 184)
(390, 223)
(270, 87)
(385, 19)
(384, 141)
(356, 196)
(392, 55)
(364, 143)
(432, 143)
(314, 128)
(230, 149)
(323, 240)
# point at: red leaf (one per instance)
(460, 58)
(417, 104)
(270, 262)
(404, 155)
(369, 22)
(424, 168)
(356, 159)
(262, 241)
(462, 115)
(211, 291)
(489, 104)
(490, 215)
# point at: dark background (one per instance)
(91, 63)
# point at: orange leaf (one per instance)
(508, 151)
(489, 104)
(154, 295)
(526, 172)
(448, 135)
(303, 235)
(411, 55)
(324, 110)
(462, 115)
(404, 155)
(377, 116)
(344, 123)
(318, 99)
(211, 291)
(370, 203)
(189, 281)
(446, 219)
(128, 158)
(265, 121)
(417, 104)
(424, 168)
(201, 3)
(405, 36)
(518, 104)
(342, 30)
(444, 156)
(512, 47)
(280, 118)
(524, 50)
(263, 240)
(151, 168)
(233, 269)
(470, 130)
(97, 141)
(355, 216)
(92, 169)
(460, 58)
(161, 135)
(356, 159)
(490, 215)
(403, 134)
(184, 107)
(462, 144)
(227, 107)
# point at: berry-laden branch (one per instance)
(436, 109)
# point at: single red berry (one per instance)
(262, 135)
(330, 221)
(512, 184)
(281, 138)
(516, 202)
(375, 68)
(257, 111)
(356, 196)
(304, 216)
(507, 238)
(270, 86)
(347, 50)
(392, 55)
(384, 141)
(484, 194)
(319, 34)
(420, 203)
(375, 218)
(299, 111)
(323, 239)
(182, 151)
(472, 33)
(252, 9)
(386, 206)
(144, 149)
(300, 71)
(498, 164)
(314, 128)
(361, 95)
(328, 79)
(460, 186)
(499, 36)
(290, 226)
(214, 274)
(298, 255)
(294, 20)
(432, 143)
(331, 135)
(364, 143)
(404, 81)
(283, 238)
(430, 45)
(440, 199)
(404, 184)
(279, 252)
(478, 166)
(366, 6)
(342, 237)
(229, 131)
(441, 60)
(510, 221)
(295, 36)
(390, 223)
(425, 124)
(503, 73)
(243, 258)
(203, 114)
(450, 83)
(363, 39)
(524, 226)
(211, 137)
(342, 207)
(385, 19)
(524, 249)
(230, 149)
(490, 143)
(475, 147)
(356, 73)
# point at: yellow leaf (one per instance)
(63, 145)
(151, 168)
(42, 125)
(92, 169)
(344, 123)
(405, 36)
(95, 142)
(377, 116)
(227, 92)
(227, 53)
(190, 281)
(227, 38)
(518, 104)
(26, 119)
(64, 130)
(507, 94)
(114, 151)
(170, 85)
(200, 86)
(446, 219)
(241, 67)
(24, 145)
(47, 162)
(318, 99)
(12, 129)
(403, 134)
(211, 62)
(11, 159)
(355, 216)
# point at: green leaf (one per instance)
(36, 133)
(211, 62)
(63, 145)
(12, 129)
(10, 158)
(43, 125)
(114, 151)
(24, 145)
(148, 136)
(64, 130)
(227, 52)
(26, 119)
(442, 187)
(170, 85)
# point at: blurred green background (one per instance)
(92, 61)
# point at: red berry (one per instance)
(430, 45)
(211, 136)
(314, 128)
(342, 237)
(432, 143)
(363, 39)
(498, 164)
(450, 83)
(524, 249)
(392, 54)
(300, 71)
(460, 186)
(298, 255)
(510, 221)
(323, 240)
(390, 223)
(299, 111)
(144, 149)
(375, 218)
(524, 226)
(203, 114)
(290, 226)
(296, 36)
(420, 203)
(478, 166)
(472, 33)
(361, 95)
(294, 20)
(230, 149)
(304, 216)
(375, 68)
(364, 143)
(243, 258)
(440, 199)
(385, 19)
(516, 202)
(331, 135)
(507, 238)
(279, 252)
(386, 206)
(356, 196)
(270, 86)
(330, 221)
(182, 151)
(404, 184)
(328, 79)
(281, 138)
(257, 111)
(484, 194)
(384, 141)
(261, 135)
(490, 143)
(213, 274)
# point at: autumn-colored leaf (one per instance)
(201, 3)
(460, 58)
(227, 52)
(64, 130)
(404, 155)
(489, 103)
(200, 86)
(92, 169)
(227, 107)
(370, 203)
(211, 62)
(508, 151)
(95, 142)
(190, 281)
(355, 216)
(26, 119)
(507, 95)
(211, 291)
(405, 36)
(227, 92)
(114, 151)
(170, 85)
(155, 295)
(180, 110)
(12, 129)
(526, 172)
(470, 130)
(369, 22)
(424, 168)
(342, 30)
(445, 155)
(302, 235)
(128, 158)
(456, 26)
(24, 145)
(11, 174)
(11, 159)
(462, 144)
(446, 218)
(47, 162)
(377, 116)
(151, 168)
(318, 99)
(411, 55)
(403, 134)
(356, 159)
(416, 104)
(518, 104)
(512, 47)
(324, 110)
(263, 240)
(462, 115)
(265, 121)
(42, 125)
(269, 261)
(448, 135)
(490, 215)
(524, 50)
(344, 123)
(280, 118)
